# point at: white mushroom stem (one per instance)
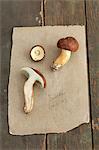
(62, 59)
(28, 87)
(29, 97)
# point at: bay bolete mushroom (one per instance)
(67, 45)
(33, 76)
(37, 53)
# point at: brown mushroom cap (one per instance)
(68, 43)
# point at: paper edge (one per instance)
(69, 26)
(85, 121)
(50, 132)
(10, 66)
(82, 122)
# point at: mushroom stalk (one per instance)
(33, 76)
(29, 95)
(62, 59)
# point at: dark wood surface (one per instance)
(55, 12)
(92, 18)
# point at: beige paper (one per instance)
(64, 104)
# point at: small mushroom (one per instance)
(37, 53)
(33, 76)
(67, 45)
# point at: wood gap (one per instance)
(44, 12)
(46, 147)
(89, 82)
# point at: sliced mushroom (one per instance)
(33, 76)
(67, 45)
(37, 53)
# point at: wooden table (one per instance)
(51, 12)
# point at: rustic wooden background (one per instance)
(51, 12)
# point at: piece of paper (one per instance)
(64, 104)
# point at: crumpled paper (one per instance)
(64, 104)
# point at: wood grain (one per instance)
(15, 13)
(92, 16)
(64, 12)
(56, 12)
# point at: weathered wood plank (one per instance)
(15, 13)
(65, 12)
(92, 15)
(76, 139)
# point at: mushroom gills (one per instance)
(37, 53)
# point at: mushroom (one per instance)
(37, 53)
(33, 76)
(67, 45)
